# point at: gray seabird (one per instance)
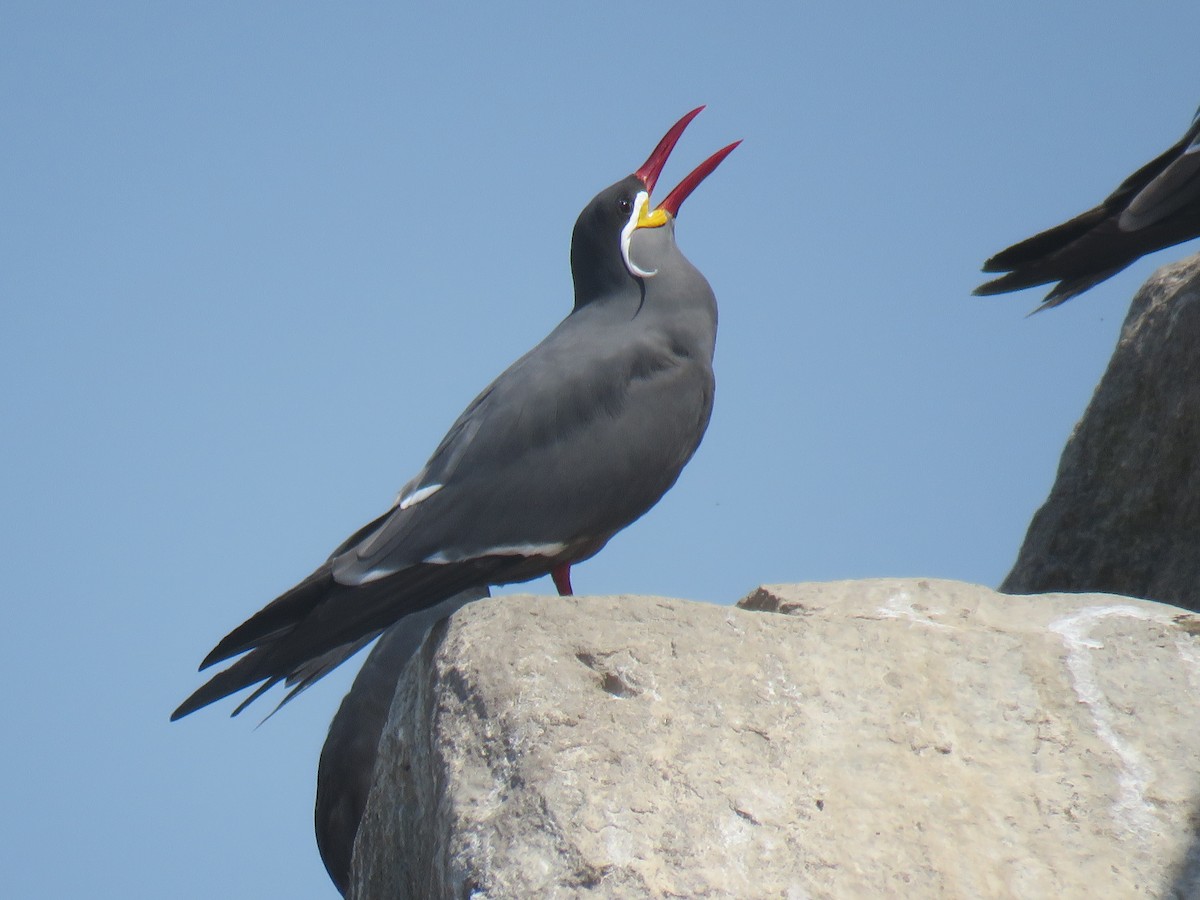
(1157, 206)
(575, 440)
(347, 767)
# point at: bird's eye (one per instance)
(625, 205)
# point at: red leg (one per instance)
(562, 579)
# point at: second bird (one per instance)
(1157, 206)
(574, 441)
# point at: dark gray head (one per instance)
(601, 262)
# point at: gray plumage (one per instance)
(574, 441)
(1155, 207)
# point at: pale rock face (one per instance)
(886, 738)
(1124, 513)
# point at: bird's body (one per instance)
(575, 440)
(1157, 206)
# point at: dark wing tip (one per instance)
(188, 706)
(987, 289)
(1061, 293)
(276, 618)
(1007, 283)
(245, 672)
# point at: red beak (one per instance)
(653, 166)
(691, 182)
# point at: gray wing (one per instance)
(574, 441)
(1176, 186)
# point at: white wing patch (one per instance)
(443, 558)
(639, 204)
(422, 493)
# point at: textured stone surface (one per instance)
(1124, 513)
(853, 739)
(346, 770)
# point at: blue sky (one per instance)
(255, 258)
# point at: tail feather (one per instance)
(281, 615)
(243, 673)
(276, 618)
(1062, 292)
(1073, 287)
(1045, 243)
(313, 671)
(255, 694)
(307, 632)
(318, 668)
(1157, 206)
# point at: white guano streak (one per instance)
(1130, 808)
(900, 606)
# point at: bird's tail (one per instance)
(1074, 254)
(305, 633)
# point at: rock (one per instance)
(346, 769)
(1123, 516)
(891, 738)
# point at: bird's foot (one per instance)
(562, 579)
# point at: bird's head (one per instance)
(601, 259)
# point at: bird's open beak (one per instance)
(652, 168)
